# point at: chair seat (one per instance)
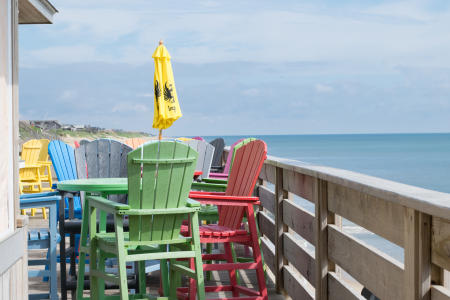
(109, 238)
(214, 230)
(40, 234)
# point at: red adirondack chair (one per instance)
(233, 204)
(224, 175)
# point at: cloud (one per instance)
(323, 88)
(404, 32)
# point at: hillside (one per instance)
(28, 131)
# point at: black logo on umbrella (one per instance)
(168, 93)
(157, 90)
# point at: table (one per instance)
(101, 186)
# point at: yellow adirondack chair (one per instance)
(30, 179)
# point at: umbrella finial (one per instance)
(160, 42)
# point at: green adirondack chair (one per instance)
(157, 204)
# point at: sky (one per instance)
(243, 67)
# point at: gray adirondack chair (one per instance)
(205, 155)
(103, 158)
(219, 145)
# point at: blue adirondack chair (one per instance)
(63, 159)
(45, 238)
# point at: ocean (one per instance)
(421, 160)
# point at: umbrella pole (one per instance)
(160, 135)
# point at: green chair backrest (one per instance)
(159, 176)
(236, 148)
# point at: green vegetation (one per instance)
(26, 132)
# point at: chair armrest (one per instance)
(218, 175)
(106, 205)
(159, 211)
(37, 195)
(206, 193)
(39, 202)
(30, 167)
(192, 203)
(215, 180)
(222, 200)
(203, 186)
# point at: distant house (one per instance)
(78, 127)
(68, 127)
(46, 124)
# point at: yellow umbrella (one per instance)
(167, 108)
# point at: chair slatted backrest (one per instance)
(167, 171)
(226, 169)
(248, 162)
(30, 152)
(218, 145)
(102, 158)
(134, 142)
(205, 155)
(63, 160)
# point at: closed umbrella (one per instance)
(167, 108)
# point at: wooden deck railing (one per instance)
(415, 219)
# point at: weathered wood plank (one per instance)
(417, 254)
(299, 220)
(377, 215)
(438, 292)
(280, 228)
(267, 198)
(339, 290)
(296, 289)
(440, 242)
(268, 173)
(268, 250)
(266, 225)
(380, 273)
(299, 184)
(299, 257)
(321, 221)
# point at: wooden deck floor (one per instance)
(36, 285)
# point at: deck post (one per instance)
(323, 217)
(280, 228)
(417, 255)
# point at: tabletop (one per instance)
(109, 185)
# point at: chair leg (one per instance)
(257, 253)
(141, 277)
(197, 247)
(209, 248)
(192, 281)
(165, 280)
(121, 257)
(95, 293)
(44, 213)
(232, 273)
(172, 280)
(33, 212)
(101, 268)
